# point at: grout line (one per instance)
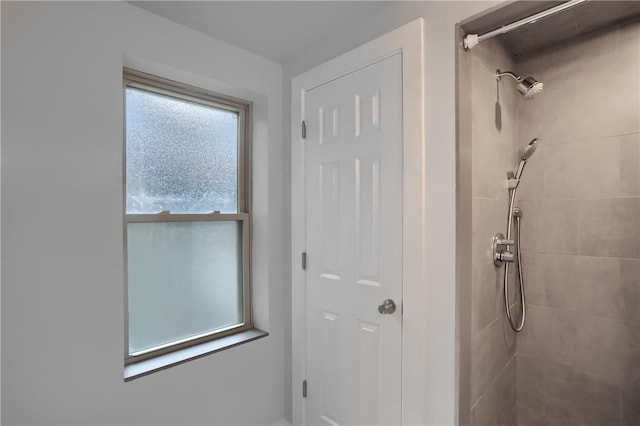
(583, 313)
(495, 378)
(577, 255)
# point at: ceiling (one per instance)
(579, 20)
(277, 30)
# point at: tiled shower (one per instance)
(577, 361)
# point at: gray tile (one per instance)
(486, 285)
(497, 405)
(511, 418)
(533, 239)
(530, 382)
(534, 274)
(509, 130)
(562, 171)
(488, 217)
(491, 159)
(530, 416)
(564, 422)
(585, 169)
(487, 54)
(610, 227)
(604, 347)
(583, 284)
(630, 399)
(492, 348)
(560, 231)
(573, 396)
(484, 96)
(629, 164)
(532, 340)
(560, 66)
(593, 169)
(514, 293)
(609, 105)
(560, 114)
(505, 59)
(630, 289)
(530, 120)
(607, 55)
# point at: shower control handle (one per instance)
(506, 256)
(499, 248)
(505, 242)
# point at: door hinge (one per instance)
(304, 388)
(304, 260)
(304, 129)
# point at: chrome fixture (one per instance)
(387, 308)
(472, 40)
(527, 86)
(501, 245)
(526, 154)
(500, 249)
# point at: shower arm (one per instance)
(499, 75)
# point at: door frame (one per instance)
(409, 41)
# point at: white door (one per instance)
(353, 187)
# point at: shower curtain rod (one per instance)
(471, 40)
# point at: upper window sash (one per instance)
(172, 89)
(182, 91)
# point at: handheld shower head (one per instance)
(527, 87)
(526, 154)
(529, 149)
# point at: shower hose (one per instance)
(518, 265)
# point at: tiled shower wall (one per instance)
(578, 358)
(492, 356)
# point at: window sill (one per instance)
(148, 366)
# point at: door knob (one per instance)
(388, 307)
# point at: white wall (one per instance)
(436, 391)
(62, 239)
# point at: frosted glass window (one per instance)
(185, 279)
(186, 217)
(181, 156)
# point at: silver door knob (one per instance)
(388, 307)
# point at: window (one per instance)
(187, 216)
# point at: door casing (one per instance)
(408, 40)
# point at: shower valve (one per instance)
(499, 248)
(505, 256)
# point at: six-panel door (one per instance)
(354, 247)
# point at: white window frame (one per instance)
(154, 84)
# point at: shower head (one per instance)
(526, 154)
(529, 149)
(527, 87)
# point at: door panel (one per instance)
(354, 246)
